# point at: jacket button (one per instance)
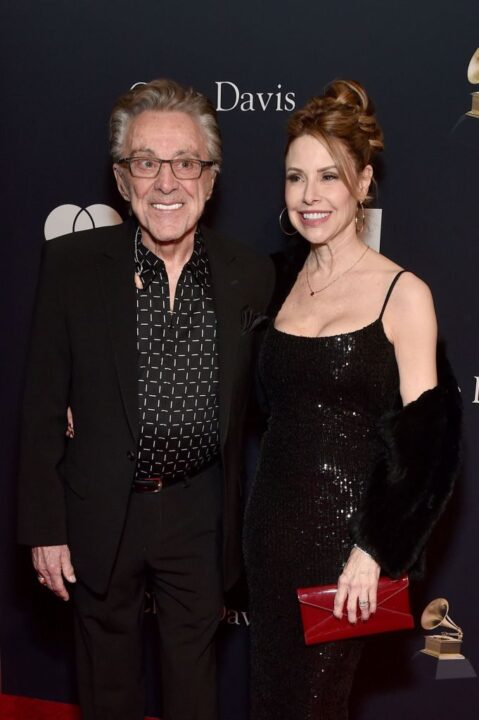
(131, 455)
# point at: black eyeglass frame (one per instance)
(202, 164)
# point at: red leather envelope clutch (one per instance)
(319, 624)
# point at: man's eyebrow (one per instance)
(143, 150)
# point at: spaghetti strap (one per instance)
(388, 295)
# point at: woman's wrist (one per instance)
(363, 551)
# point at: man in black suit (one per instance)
(146, 331)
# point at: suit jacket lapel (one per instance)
(117, 271)
(227, 298)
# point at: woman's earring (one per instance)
(280, 220)
(360, 218)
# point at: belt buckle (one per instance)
(158, 481)
(145, 485)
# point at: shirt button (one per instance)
(131, 455)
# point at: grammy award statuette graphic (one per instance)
(441, 657)
(467, 126)
(473, 77)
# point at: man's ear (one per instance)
(122, 186)
(212, 185)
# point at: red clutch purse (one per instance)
(320, 625)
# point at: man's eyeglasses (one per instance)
(182, 168)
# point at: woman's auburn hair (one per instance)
(344, 121)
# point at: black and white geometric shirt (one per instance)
(177, 366)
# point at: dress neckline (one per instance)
(338, 335)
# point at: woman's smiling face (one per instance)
(320, 205)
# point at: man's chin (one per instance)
(166, 236)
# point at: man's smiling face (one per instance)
(167, 209)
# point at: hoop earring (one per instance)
(280, 220)
(361, 217)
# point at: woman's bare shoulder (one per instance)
(409, 288)
(411, 292)
(410, 311)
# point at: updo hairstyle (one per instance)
(343, 120)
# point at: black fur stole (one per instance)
(413, 478)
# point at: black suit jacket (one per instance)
(84, 354)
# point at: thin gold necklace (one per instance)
(315, 292)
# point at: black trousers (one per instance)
(174, 538)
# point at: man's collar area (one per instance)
(145, 258)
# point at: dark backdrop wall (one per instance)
(64, 64)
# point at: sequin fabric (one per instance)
(326, 395)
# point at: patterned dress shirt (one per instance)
(177, 367)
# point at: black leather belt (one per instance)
(155, 484)
(160, 482)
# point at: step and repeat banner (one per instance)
(63, 66)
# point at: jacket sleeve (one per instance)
(413, 477)
(41, 510)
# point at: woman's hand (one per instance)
(357, 584)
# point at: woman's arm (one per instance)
(410, 324)
(419, 445)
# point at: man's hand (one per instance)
(70, 431)
(52, 564)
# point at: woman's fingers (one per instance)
(340, 597)
(357, 587)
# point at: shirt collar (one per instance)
(198, 262)
(148, 265)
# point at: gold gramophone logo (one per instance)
(448, 643)
(473, 77)
(445, 646)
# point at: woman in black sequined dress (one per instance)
(344, 350)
